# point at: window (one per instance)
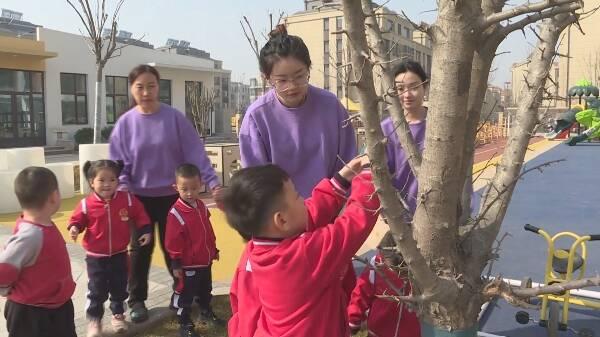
(117, 98)
(225, 89)
(326, 48)
(340, 92)
(339, 23)
(399, 29)
(390, 26)
(193, 93)
(164, 94)
(73, 90)
(407, 33)
(22, 116)
(326, 77)
(339, 50)
(326, 29)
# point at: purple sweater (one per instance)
(304, 141)
(153, 146)
(402, 177)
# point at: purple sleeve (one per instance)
(347, 150)
(194, 153)
(252, 148)
(117, 152)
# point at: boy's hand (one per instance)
(217, 256)
(177, 273)
(217, 194)
(145, 239)
(354, 166)
(74, 231)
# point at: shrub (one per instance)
(84, 136)
(105, 133)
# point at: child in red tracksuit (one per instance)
(105, 216)
(35, 272)
(299, 274)
(323, 206)
(385, 318)
(191, 244)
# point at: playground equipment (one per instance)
(587, 115)
(562, 265)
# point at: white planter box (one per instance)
(20, 158)
(65, 177)
(9, 202)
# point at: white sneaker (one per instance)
(94, 329)
(118, 323)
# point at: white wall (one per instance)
(74, 56)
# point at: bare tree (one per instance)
(96, 20)
(446, 251)
(201, 103)
(252, 40)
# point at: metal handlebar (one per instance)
(531, 228)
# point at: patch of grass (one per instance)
(170, 327)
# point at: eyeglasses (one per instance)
(282, 85)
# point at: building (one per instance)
(47, 82)
(580, 53)
(553, 87)
(239, 97)
(330, 53)
(257, 88)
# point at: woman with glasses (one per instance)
(299, 127)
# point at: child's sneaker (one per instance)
(187, 330)
(209, 317)
(118, 323)
(94, 328)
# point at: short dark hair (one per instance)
(280, 45)
(34, 185)
(91, 168)
(413, 67)
(187, 171)
(253, 195)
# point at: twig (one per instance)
(495, 253)
(508, 186)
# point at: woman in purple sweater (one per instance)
(297, 126)
(153, 139)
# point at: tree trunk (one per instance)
(441, 180)
(99, 106)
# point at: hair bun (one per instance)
(279, 31)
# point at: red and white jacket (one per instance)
(34, 266)
(190, 239)
(323, 206)
(385, 318)
(301, 293)
(107, 223)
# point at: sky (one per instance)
(214, 26)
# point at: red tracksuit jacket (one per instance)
(300, 278)
(385, 318)
(323, 206)
(190, 239)
(35, 268)
(106, 223)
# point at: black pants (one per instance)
(106, 275)
(29, 321)
(141, 256)
(195, 283)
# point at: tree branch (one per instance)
(499, 192)
(522, 10)
(396, 111)
(497, 287)
(538, 16)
